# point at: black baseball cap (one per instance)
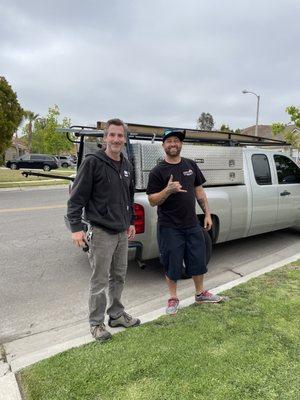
(174, 132)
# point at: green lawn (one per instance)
(246, 348)
(10, 178)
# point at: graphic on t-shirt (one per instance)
(187, 173)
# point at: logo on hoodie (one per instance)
(126, 173)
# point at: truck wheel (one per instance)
(64, 165)
(13, 166)
(208, 246)
(46, 167)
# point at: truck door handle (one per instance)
(285, 193)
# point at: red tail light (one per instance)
(139, 221)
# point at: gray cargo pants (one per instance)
(108, 259)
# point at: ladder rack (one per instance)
(150, 132)
(153, 132)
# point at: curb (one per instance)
(25, 189)
(9, 389)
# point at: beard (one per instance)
(173, 151)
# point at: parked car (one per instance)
(34, 161)
(66, 161)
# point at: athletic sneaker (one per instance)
(125, 320)
(100, 333)
(172, 306)
(207, 297)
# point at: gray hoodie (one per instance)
(105, 193)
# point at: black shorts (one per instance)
(182, 245)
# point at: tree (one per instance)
(11, 114)
(205, 122)
(31, 117)
(225, 128)
(292, 136)
(45, 139)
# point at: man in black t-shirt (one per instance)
(173, 186)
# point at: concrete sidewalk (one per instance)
(31, 349)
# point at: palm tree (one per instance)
(31, 117)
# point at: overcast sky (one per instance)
(157, 62)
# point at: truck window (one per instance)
(287, 170)
(261, 169)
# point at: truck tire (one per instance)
(65, 165)
(46, 167)
(208, 246)
(13, 166)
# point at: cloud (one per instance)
(161, 62)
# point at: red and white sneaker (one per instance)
(172, 306)
(207, 297)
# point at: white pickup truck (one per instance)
(268, 200)
(264, 197)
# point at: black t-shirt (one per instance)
(117, 164)
(179, 209)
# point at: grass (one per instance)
(246, 348)
(14, 178)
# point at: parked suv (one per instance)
(34, 161)
(66, 161)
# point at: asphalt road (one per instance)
(44, 278)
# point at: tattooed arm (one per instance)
(203, 203)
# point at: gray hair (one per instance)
(115, 121)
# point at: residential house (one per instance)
(17, 149)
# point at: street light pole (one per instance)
(257, 108)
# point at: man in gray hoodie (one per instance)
(104, 189)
